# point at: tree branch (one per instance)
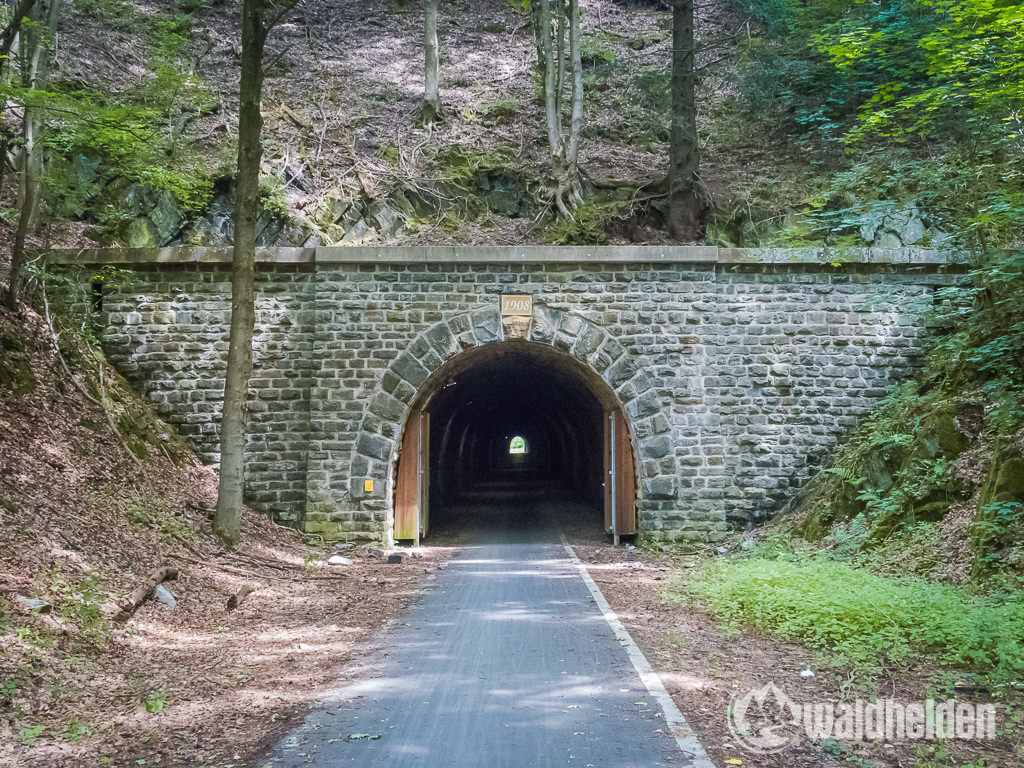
(283, 9)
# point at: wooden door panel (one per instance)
(625, 476)
(407, 490)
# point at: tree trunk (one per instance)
(563, 140)
(38, 38)
(686, 200)
(21, 9)
(227, 519)
(537, 24)
(558, 27)
(431, 100)
(572, 152)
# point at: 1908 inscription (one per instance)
(521, 306)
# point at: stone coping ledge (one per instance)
(534, 254)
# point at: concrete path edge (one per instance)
(674, 720)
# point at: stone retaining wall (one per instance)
(739, 371)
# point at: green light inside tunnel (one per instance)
(517, 445)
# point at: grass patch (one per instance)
(148, 510)
(865, 620)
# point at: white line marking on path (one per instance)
(677, 725)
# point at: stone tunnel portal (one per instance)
(518, 429)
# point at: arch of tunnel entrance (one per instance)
(558, 341)
(738, 370)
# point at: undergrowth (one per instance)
(864, 620)
(147, 510)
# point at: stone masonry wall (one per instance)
(737, 377)
(169, 337)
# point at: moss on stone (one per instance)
(826, 500)
(11, 342)
(136, 434)
(938, 434)
(1005, 480)
(16, 375)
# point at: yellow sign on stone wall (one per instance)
(516, 306)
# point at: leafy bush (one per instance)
(996, 526)
(866, 620)
(76, 731)
(30, 733)
(923, 96)
(596, 51)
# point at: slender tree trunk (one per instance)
(9, 34)
(558, 27)
(228, 517)
(431, 99)
(686, 200)
(572, 151)
(563, 140)
(550, 96)
(36, 72)
(537, 24)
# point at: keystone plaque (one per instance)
(516, 306)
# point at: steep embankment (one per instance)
(345, 161)
(933, 480)
(86, 513)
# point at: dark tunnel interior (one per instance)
(515, 426)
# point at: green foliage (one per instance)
(937, 756)
(595, 50)
(988, 350)
(652, 87)
(925, 95)
(30, 733)
(901, 466)
(149, 511)
(155, 702)
(99, 143)
(862, 619)
(75, 732)
(69, 292)
(8, 690)
(80, 604)
(273, 200)
(995, 527)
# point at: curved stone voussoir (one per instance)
(487, 326)
(545, 325)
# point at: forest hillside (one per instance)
(807, 133)
(829, 124)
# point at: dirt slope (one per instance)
(81, 523)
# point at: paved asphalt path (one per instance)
(503, 662)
